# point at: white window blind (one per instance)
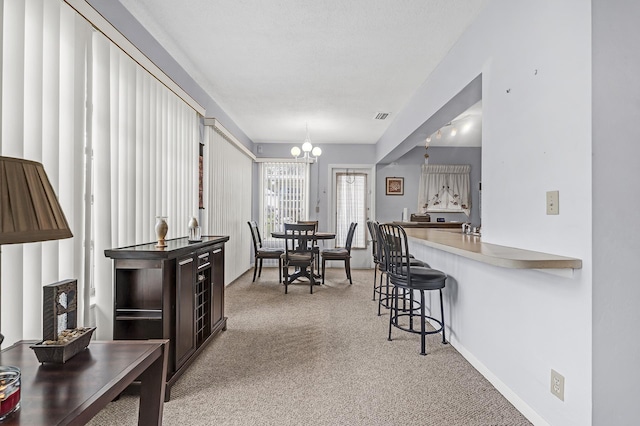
(145, 153)
(351, 207)
(284, 188)
(43, 47)
(227, 199)
(145, 162)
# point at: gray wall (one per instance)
(387, 208)
(352, 154)
(409, 166)
(616, 202)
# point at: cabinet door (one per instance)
(217, 287)
(185, 315)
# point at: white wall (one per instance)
(535, 61)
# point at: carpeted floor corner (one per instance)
(321, 359)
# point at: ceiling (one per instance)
(463, 130)
(275, 66)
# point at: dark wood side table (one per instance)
(73, 392)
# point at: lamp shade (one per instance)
(29, 208)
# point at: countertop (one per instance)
(175, 247)
(470, 246)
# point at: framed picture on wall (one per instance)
(394, 186)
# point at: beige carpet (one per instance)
(321, 359)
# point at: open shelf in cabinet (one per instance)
(174, 293)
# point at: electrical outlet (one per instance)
(557, 384)
(553, 202)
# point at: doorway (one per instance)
(352, 195)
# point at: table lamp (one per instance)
(29, 212)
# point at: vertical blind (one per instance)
(145, 146)
(228, 200)
(43, 114)
(351, 193)
(285, 197)
(67, 90)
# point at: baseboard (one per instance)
(501, 387)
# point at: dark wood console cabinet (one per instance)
(174, 293)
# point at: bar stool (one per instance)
(383, 290)
(376, 259)
(412, 279)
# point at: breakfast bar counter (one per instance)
(471, 247)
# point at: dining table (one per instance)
(318, 236)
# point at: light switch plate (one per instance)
(553, 202)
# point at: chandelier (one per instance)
(309, 153)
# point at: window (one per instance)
(43, 48)
(351, 193)
(284, 189)
(67, 90)
(445, 188)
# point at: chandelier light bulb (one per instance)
(466, 128)
(308, 152)
(439, 134)
(427, 141)
(454, 131)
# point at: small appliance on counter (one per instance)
(470, 230)
(420, 217)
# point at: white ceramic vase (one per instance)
(161, 230)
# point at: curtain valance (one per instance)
(445, 188)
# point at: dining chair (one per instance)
(262, 253)
(316, 247)
(341, 253)
(299, 253)
(309, 222)
(410, 279)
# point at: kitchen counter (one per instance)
(472, 247)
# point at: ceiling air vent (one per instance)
(381, 115)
